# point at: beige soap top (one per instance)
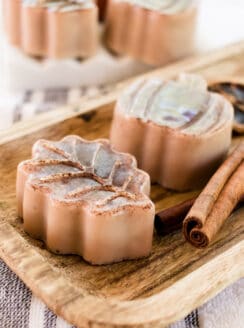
(75, 171)
(61, 5)
(164, 6)
(183, 104)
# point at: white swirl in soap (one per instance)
(169, 7)
(60, 5)
(184, 104)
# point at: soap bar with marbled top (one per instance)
(170, 7)
(178, 131)
(84, 198)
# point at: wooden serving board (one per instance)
(153, 291)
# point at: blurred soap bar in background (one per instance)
(52, 29)
(155, 33)
(21, 71)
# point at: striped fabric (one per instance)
(19, 107)
(19, 308)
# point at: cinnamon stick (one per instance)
(216, 202)
(171, 218)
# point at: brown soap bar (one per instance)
(84, 198)
(154, 32)
(12, 19)
(178, 131)
(56, 29)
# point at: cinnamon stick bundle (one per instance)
(217, 200)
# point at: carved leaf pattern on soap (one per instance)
(91, 173)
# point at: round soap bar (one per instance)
(178, 131)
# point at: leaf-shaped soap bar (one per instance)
(83, 198)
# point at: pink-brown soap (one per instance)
(84, 198)
(177, 130)
(11, 17)
(153, 32)
(55, 29)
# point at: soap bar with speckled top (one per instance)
(178, 131)
(84, 198)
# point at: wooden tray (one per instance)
(154, 291)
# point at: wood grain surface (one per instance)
(149, 292)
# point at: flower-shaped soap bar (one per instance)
(83, 198)
(52, 28)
